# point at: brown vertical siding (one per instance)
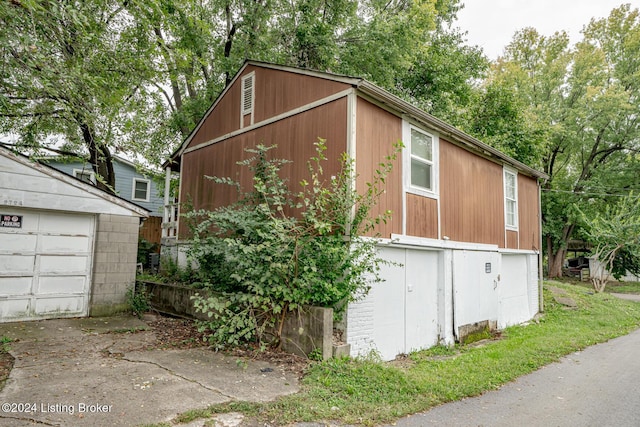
(151, 230)
(376, 132)
(471, 196)
(512, 239)
(294, 137)
(422, 216)
(276, 92)
(528, 213)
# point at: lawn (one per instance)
(368, 392)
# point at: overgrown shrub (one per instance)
(276, 250)
(138, 300)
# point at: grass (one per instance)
(612, 287)
(369, 392)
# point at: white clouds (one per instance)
(492, 23)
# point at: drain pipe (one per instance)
(540, 270)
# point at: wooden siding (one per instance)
(295, 138)
(276, 92)
(422, 216)
(512, 239)
(528, 213)
(376, 132)
(471, 197)
(151, 230)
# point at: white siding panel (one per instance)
(26, 186)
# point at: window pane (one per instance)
(421, 145)
(141, 190)
(510, 185)
(420, 174)
(511, 213)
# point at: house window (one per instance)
(141, 189)
(421, 160)
(85, 176)
(246, 101)
(511, 198)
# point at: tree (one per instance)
(582, 104)
(615, 235)
(70, 70)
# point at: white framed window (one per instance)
(510, 198)
(247, 84)
(420, 161)
(85, 175)
(140, 190)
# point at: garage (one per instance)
(67, 249)
(45, 264)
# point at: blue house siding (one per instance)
(125, 174)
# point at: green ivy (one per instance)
(276, 250)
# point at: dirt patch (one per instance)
(179, 333)
(6, 364)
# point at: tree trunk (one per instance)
(557, 255)
(556, 260)
(100, 159)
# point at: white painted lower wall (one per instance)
(431, 288)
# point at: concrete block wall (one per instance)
(114, 264)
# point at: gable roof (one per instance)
(97, 199)
(382, 96)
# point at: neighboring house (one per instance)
(67, 249)
(465, 232)
(130, 184)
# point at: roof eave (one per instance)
(442, 127)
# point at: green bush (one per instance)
(138, 300)
(275, 250)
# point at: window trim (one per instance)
(247, 111)
(92, 175)
(133, 189)
(509, 171)
(407, 156)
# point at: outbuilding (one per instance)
(67, 249)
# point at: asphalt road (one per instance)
(599, 386)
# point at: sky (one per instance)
(492, 23)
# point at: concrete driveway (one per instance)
(87, 372)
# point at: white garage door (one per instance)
(45, 264)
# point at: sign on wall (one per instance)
(10, 221)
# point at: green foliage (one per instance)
(145, 248)
(275, 250)
(138, 300)
(615, 235)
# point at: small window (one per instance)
(141, 189)
(511, 199)
(246, 101)
(85, 176)
(421, 160)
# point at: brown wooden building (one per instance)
(447, 189)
